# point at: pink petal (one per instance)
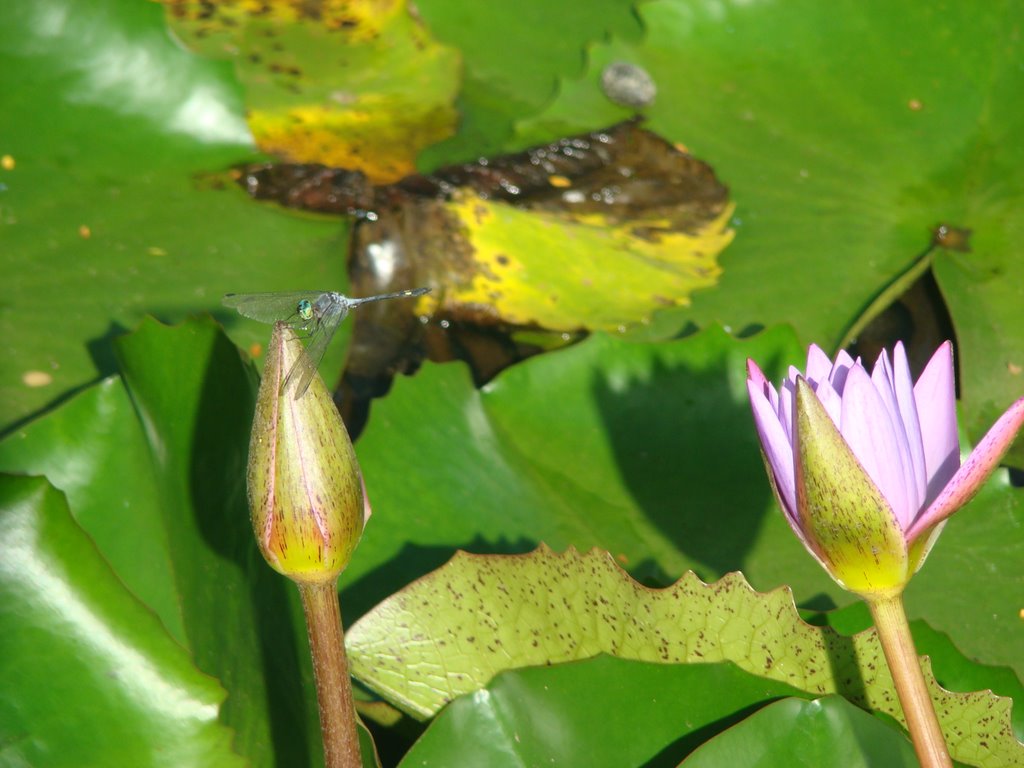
(761, 383)
(904, 385)
(778, 451)
(367, 509)
(843, 360)
(870, 433)
(776, 402)
(883, 377)
(818, 365)
(777, 406)
(831, 400)
(755, 375)
(929, 542)
(935, 395)
(787, 394)
(975, 471)
(840, 370)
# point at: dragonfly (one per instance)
(317, 313)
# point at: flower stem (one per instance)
(330, 667)
(894, 632)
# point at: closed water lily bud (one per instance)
(305, 489)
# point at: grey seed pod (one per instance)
(628, 85)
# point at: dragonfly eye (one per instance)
(304, 310)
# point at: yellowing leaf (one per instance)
(565, 273)
(358, 84)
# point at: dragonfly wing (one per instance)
(302, 371)
(269, 307)
(301, 374)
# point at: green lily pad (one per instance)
(657, 718)
(90, 675)
(358, 85)
(183, 541)
(806, 734)
(93, 449)
(544, 453)
(985, 293)
(443, 637)
(839, 181)
(513, 55)
(105, 212)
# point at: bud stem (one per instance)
(330, 667)
(905, 667)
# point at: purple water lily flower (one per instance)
(867, 488)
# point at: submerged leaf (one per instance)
(449, 634)
(358, 84)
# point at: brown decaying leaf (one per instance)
(620, 172)
(405, 237)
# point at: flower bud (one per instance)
(305, 490)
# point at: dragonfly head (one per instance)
(304, 309)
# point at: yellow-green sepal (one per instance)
(845, 518)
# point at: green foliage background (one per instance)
(845, 131)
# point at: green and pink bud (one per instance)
(306, 494)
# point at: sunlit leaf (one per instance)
(513, 55)
(93, 450)
(446, 635)
(90, 675)
(108, 126)
(590, 232)
(356, 84)
(845, 144)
